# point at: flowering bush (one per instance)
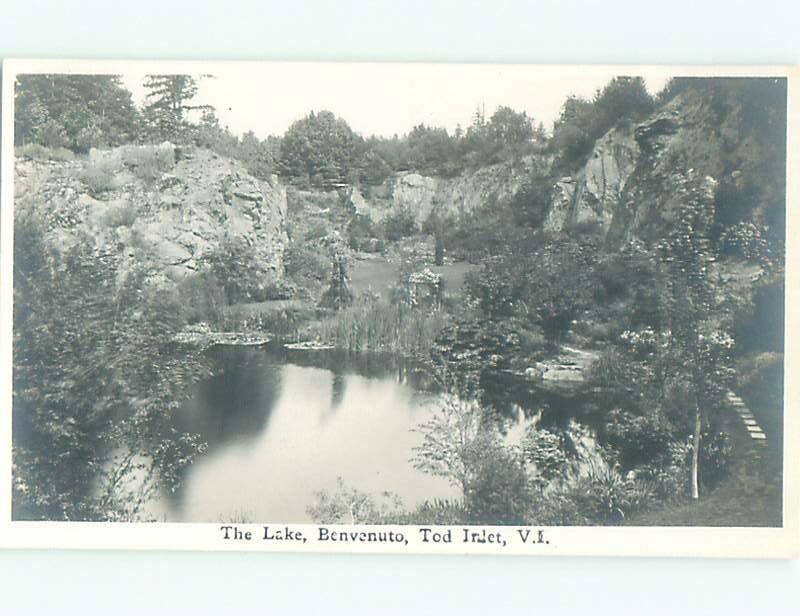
(744, 239)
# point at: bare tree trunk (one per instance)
(696, 453)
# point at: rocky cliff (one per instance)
(457, 196)
(593, 193)
(171, 215)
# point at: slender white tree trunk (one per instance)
(696, 454)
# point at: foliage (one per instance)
(715, 457)
(303, 264)
(122, 215)
(531, 203)
(744, 239)
(232, 262)
(443, 512)
(364, 235)
(39, 152)
(202, 296)
(464, 445)
(320, 150)
(398, 224)
(605, 496)
(167, 107)
(101, 176)
(370, 325)
(547, 287)
(453, 442)
(95, 382)
(78, 112)
(582, 122)
(547, 452)
(148, 163)
(350, 506)
(500, 490)
(338, 295)
(639, 438)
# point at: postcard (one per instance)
(399, 308)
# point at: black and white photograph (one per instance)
(420, 307)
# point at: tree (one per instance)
(338, 295)
(74, 111)
(582, 122)
(452, 442)
(168, 104)
(622, 98)
(701, 348)
(531, 202)
(573, 132)
(321, 150)
(95, 383)
(432, 151)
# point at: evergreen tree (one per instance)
(168, 105)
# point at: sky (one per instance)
(388, 99)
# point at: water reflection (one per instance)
(282, 425)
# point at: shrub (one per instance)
(316, 230)
(667, 476)
(39, 152)
(100, 176)
(638, 438)
(119, 216)
(304, 264)
(499, 491)
(233, 263)
(348, 505)
(149, 162)
(744, 239)
(715, 458)
(202, 297)
(605, 496)
(399, 224)
(442, 512)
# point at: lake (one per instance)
(282, 425)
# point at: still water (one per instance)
(282, 425)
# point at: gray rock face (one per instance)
(457, 196)
(655, 191)
(593, 194)
(173, 223)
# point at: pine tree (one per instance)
(168, 105)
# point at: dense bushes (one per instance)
(95, 380)
(399, 224)
(547, 288)
(231, 262)
(74, 111)
(320, 150)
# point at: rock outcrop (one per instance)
(457, 196)
(592, 195)
(173, 220)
